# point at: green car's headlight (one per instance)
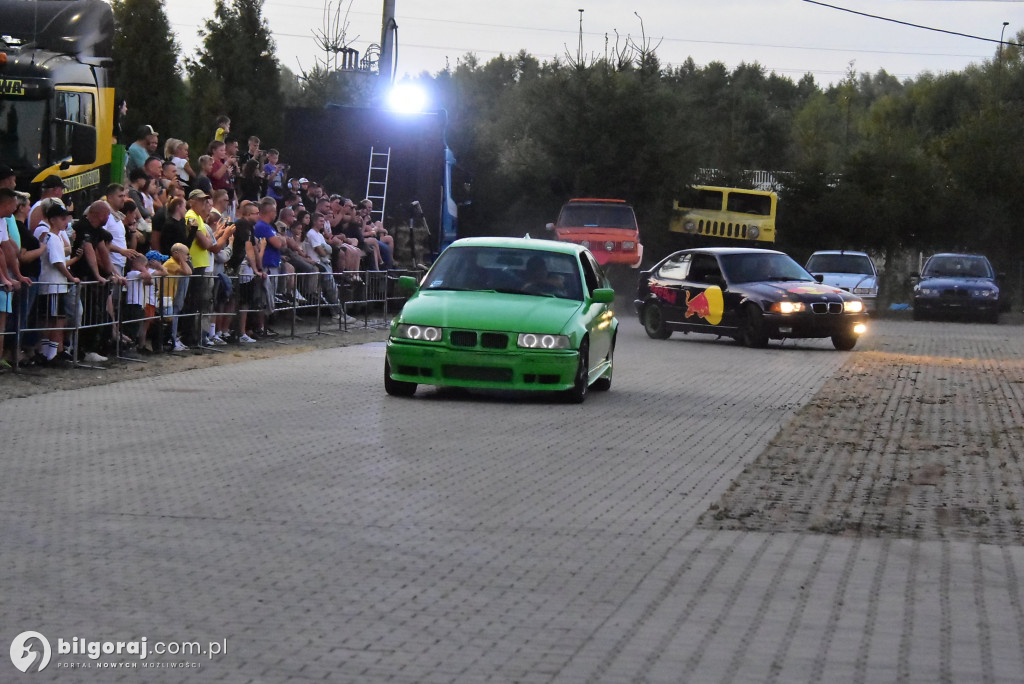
(422, 333)
(538, 341)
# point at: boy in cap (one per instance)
(54, 277)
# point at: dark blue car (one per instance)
(961, 285)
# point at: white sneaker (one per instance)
(245, 339)
(299, 297)
(218, 341)
(179, 347)
(93, 357)
(351, 319)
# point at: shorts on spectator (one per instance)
(252, 295)
(53, 305)
(6, 301)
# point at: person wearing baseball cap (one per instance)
(54, 277)
(52, 182)
(7, 178)
(51, 187)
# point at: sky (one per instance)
(788, 37)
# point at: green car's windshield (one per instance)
(957, 267)
(752, 268)
(504, 269)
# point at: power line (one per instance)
(907, 23)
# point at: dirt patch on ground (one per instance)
(31, 381)
(908, 440)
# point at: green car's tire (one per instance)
(604, 383)
(581, 383)
(397, 388)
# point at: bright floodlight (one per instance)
(407, 97)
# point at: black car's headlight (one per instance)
(422, 333)
(927, 291)
(539, 341)
(853, 307)
(787, 307)
(987, 294)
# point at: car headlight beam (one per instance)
(421, 333)
(542, 341)
(788, 307)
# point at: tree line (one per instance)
(871, 162)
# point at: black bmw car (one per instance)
(958, 284)
(751, 295)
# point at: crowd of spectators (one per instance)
(214, 247)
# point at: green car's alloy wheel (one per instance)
(752, 331)
(581, 384)
(397, 388)
(654, 322)
(604, 383)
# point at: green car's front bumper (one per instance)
(519, 369)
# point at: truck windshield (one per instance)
(21, 132)
(597, 216)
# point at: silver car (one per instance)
(851, 271)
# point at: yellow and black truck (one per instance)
(56, 94)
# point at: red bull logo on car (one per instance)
(708, 305)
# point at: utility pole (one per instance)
(388, 32)
(579, 48)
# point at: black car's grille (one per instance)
(827, 307)
(955, 293)
(462, 338)
(483, 373)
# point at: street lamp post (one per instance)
(1005, 24)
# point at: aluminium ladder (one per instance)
(377, 181)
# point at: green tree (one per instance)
(236, 73)
(146, 70)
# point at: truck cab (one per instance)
(607, 227)
(56, 105)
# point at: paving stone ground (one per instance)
(330, 533)
(921, 439)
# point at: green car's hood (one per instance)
(489, 311)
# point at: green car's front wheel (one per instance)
(397, 388)
(604, 383)
(581, 383)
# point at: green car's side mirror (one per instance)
(603, 295)
(407, 283)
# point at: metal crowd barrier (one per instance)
(303, 304)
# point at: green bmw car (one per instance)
(506, 313)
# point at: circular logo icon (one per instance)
(30, 652)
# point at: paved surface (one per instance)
(330, 533)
